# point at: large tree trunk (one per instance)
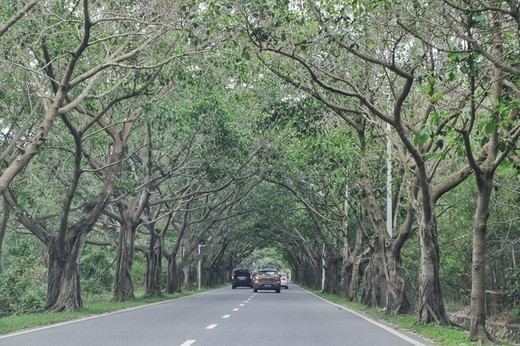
(397, 299)
(333, 268)
(64, 291)
(153, 272)
(347, 257)
(384, 280)
(374, 294)
(356, 275)
(54, 272)
(310, 274)
(173, 281)
(484, 178)
(187, 276)
(3, 227)
(478, 269)
(346, 267)
(354, 280)
(356, 259)
(124, 288)
(431, 304)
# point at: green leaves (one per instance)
(469, 64)
(489, 127)
(23, 283)
(245, 53)
(424, 134)
(303, 115)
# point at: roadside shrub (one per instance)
(23, 286)
(139, 270)
(97, 273)
(512, 290)
(514, 316)
(34, 299)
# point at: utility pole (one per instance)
(389, 221)
(199, 269)
(345, 210)
(199, 266)
(323, 269)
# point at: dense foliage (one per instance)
(142, 142)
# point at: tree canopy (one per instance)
(369, 148)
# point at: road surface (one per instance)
(223, 317)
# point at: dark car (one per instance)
(267, 279)
(241, 277)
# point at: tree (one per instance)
(9, 130)
(87, 88)
(484, 26)
(17, 16)
(320, 50)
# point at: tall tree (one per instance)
(318, 46)
(86, 93)
(484, 26)
(13, 125)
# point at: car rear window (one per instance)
(268, 273)
(241, 272)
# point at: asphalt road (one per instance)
(223, 317)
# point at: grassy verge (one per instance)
(93, 306)
(439, 335)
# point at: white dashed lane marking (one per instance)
(188, 342)
(213, 326)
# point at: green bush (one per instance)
(23, 286)
(514, 315)
(97, 272)
(139, 270)
(34, 299)
(512, 290)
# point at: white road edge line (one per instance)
(188, 342)
(380, 325)
(226, 316)
(236, 309)
(211, 326)
(58, 324)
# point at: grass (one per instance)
(92, 306)
(440, 335)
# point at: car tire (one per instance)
(233, 287)
(278, 290)
(255, 290)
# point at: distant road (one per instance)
(223, 317)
